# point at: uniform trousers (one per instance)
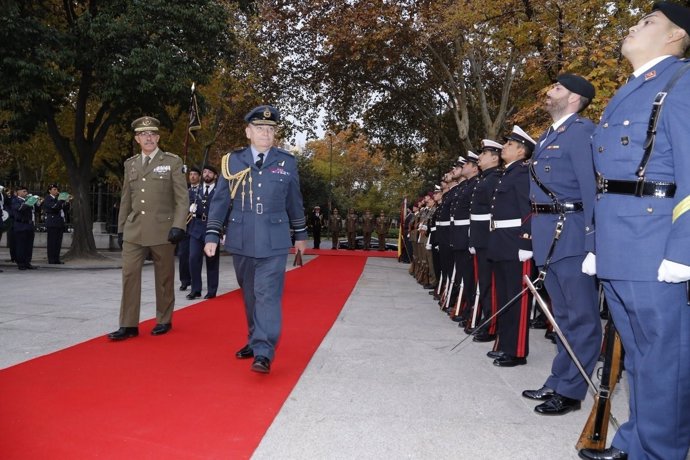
(487, 292)
(262, 281)
(435, 265)
(382, 241)
(133, 256)
(366, 237)
(183, 258)
(196, 260)
(23, 247)
(352, 240)
(334, 239)
(54, 243)
(653, 320)
(575, 309)
(513, 323)
(317, 238)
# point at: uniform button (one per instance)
(586, 229)
(606, 125)
(600, 149)
(259, 184)
(143, 179)
(258, 198)
(650, 210)
(260, 173)
(535, 162)
(143, 201)
(143, 212)
(625, 140)
(143, 190)
(626, 122)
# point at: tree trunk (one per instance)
(83, 243)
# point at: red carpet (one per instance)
(355, 252)
(178, 396)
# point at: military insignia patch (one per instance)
(281, 163)
(650, 75)
(161, 169)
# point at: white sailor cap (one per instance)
(488, 144)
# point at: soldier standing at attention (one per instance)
(54, 210)
(197, 234)
(262, 211)
(334, 226)
(368, 225)
(643, 232)
(183, 246)
(562, 190)
(316, 224)
(153, 211)
(480, 215)
(351, 229)
(510, 249)
(382, 224)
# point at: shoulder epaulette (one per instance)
(285, 152)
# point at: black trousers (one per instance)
(54, 243)
(513, 323)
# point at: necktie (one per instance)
(147, 160)
(206, 192)
(548, 132)
(260, 161)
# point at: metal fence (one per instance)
(105, 201)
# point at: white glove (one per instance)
(589, 265)
(472, 250)
(672, 272)
(524, 255)
(427, 247)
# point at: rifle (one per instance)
(448, 291)
(595, 430)
(459, 301)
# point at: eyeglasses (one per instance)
(147, 133)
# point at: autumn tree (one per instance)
(100, 64)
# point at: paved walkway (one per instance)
(383, 385)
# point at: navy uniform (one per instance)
(480, 216)
(509, 240)
(54, 212)
(442, 229)
(643, 239)
(23, 229)
(183, 246)
(460, 241)
(153, 213)
(196, 229)
(316, 222)
(562, 190)
(262, 211)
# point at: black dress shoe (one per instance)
(542, 394)
(558, 405)
(124, 333)
(161, 329)
(31, 267)
(495, 354)
(244, 353)
(484, 338)
(509, 361)
(550, 335)
(261, 364)
(210, 296)
(193, 295)
(538, 323)
(184, 286)
(607, 454)
(56, 262)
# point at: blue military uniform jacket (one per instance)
(645, 229)
(23, 215)
(511, 202)
(197, 226)
(52, 208)
(563, 164)
(266, 204)
(443, 216)
(460, 215)
(480, 207)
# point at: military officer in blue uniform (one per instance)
(197, 235)
(23, 214)
(260, 186)
(642, 237)
(443, 222)
(510, 249)
(480, 214)
(183, 246)
(562, 190)
(54, 211)
(459, 235)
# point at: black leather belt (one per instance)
(636, 188)
(559, 208)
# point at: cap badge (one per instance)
(267, 113)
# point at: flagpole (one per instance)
(186, 135)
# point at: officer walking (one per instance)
(316, 223)
(562, 190)
(260, 186)
(197, 235)
(643, 228)
(153, 211)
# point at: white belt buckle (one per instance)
(259, 208)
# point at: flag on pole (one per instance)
(194, 117)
